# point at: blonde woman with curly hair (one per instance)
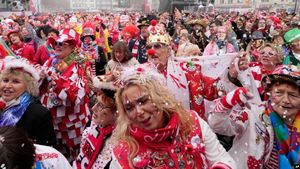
(20, 108)
(154, 130)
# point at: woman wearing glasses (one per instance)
(270, 56)
(257, 41)
(96, 143)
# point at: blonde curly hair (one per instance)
(31, 84)
(161, 98)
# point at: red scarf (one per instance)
(151, 137)
(164, 143)
(91, 148)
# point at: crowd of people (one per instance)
(131, 90)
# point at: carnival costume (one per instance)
(262, 139)
(67, 96)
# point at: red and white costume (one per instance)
(165, 148)
(67, 98)
(190, 87)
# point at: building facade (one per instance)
(242, 5)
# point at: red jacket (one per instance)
(41, 55)
(23, 50)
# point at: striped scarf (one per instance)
(287, 143)
(135, 48)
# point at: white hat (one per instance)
(13, 62)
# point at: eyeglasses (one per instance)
(271, 54)
(155, 46)
(98, 107)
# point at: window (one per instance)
(230, 1)
(240, 1)
(221, 1)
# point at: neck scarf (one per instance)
(287, 143)
(152, 137)
(93, 145)
(13, 113)
(61, 65)
(165, 148)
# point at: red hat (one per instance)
(11, 31)
(98, 19)
(88, 30)
(66, 35)
(14, 31)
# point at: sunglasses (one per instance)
(60, 44)
(155, 46)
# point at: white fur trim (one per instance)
(99, 83)
(143, 72)
(13, 62)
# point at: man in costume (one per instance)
(65, 92)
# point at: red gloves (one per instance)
(237, 96)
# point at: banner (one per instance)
(213, 65)
(217, 65)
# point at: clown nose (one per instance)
(153, 22)
(151, 52)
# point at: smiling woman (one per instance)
(18, 87)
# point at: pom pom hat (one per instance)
(12, 62)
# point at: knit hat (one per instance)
(14, 62)
(292, 35)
